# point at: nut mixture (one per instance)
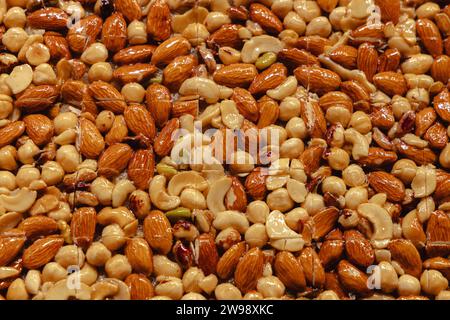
(354, 202)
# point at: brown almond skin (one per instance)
(359, 250)
(314, 44)
(352, 279)
(270, 78)
(140, 121)
(114, 32)
(378, 157)
(140, 287)
(178, 70)
(226, 36)
(248, 270)
(318, 80)
(38, 226)
(139, 255)
(289, 271)
(164, 141)
(141, 168)
(255, 184)
(107, 96)
(437, 136)
(405, 253)
(317, 226)
(389, 9)
(266, 18)
(229, 260)
(129, 8)
(11, 132)
(83, 33)
(389, 60)
(296, 57)
(208, 257)
(39, 128)
(245, 103)
(438, 234)
(57, 45)
(41, 252)
(83, 226)
(419, 156)
(236, 75)
(138, 72)
(48, 18)
(91, 140)
(332, 249)
(314, 118)
(367, 60)
(236, 198)
(170, 49)
(383, 182)
(269, 111)
(440, 69)
(311, 158)
(114, 159)
(38, 98)
(345, 56)
(118, 131)
(134, 54)
(441, 104)
(382, 117)
(11, 242)
(159, 103)
(312, 267)
(391, 83)
(159, 21)
(332, 283)
(430, 35)
(158, 232)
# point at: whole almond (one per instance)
(38, 98)
(419, 156)
(134, 54)
(406, 255)
(270, 78)
(314, 118)
(438, 234)
(139, 255)
(248, 270)
(140, 121)
(383, 182)
(158, 232)
(296, 57)
(226, 36)
(334, 98)
(114, 32)
(181, 107)
(440, 69)
(107, 96)
(91, 142)
(378, 157)
(84, 32)
(311, 157)
(332, 283)
(72, 92)
(83, 225)
(134, 72)
(255, 184)
(11, 242)
(321, 223)
(10, 132)
(269, 111)
(114, 159)
(318, 80)
(289, 271)
(383, 117)
(391, 83)
(430, 35)
(352, 279)
(245, 103)
(129, 8)
(141, 168)
(229, 260)
(159, 21)
(372, 33)
(57, 45)
(331, 249)
(441, 104)
(180, 69)
(118, 131)
(206, 254)
(48, 18)
(159, 103)
(236, 75)
(170, 49)
(39, 128)
(389, 9)
(345, 56)
(314, 44)
(140, 287)
(41, 252)
(38, 226)
(389, 60)
(358, 249)
(262, 15)
(312, 267)
(367, 60)
(236, 198)
(164, 141)
(437, 136)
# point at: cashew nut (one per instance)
(19, 200)
(102, 188)
(230, 218)
(159, 196)
(9, 220)
(186, 179)
(424, 183)
(204, 87)
(216, 194)
(110, 287)
(281, 236)
(230, 114)
(60, 291)
(121, 191)
(181, 21)
(120, 215)
(382, 223)
(258, 45)
(285, 89)
(360, 143)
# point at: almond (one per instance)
(226, 36)
(180, 69)
(367, 60)
(255, 184)
(229, 260)
(249, 269)
(57, 45)
(289, 271)
(358, 249)
(391, 83)
(206, 255)
(138, 72)
(114, 32)
(245, 103)
(389, 60)
(419, 156)
(182, 107)
(38, 226)
(358, 93)
(39, 128)
(48, 18)
(158, 232)
(372, 33)
(235, 198)
(170, 49)
(332, 283)
(314, 118)
(345, 56)
(431, 38)
(296, 57)
(312, 267)
(11, 242)
(159, 103)
(389, 9)
(438, 234)
(441, 104)
(437, 136)
(316, 79)
(84, 32)
(236, 75)
(382, 117)
(378, 157)
(139, 256)
(352, 279)
(114, 159)
(38, 98)
(159, 20)
(311, 157)
(140, 287)
(91, 142)
(72, 92)
(440, 69)
(141, 168)
(118, 131)
(164, 141)
(134, 54)
(317, 226)
(442, 185)
(314, 44)
(336, 98)
(383, 182)
(270, 78)
(268, 112)
(406, 255)
(129, 8)
(41, 252)
(107, 96)
(262, 15)
(10, 132)
(140, 121)
(83, 225)
(331, 249)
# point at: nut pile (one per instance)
(351, 200)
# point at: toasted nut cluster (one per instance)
(225, 149)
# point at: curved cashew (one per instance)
(208, 114)
(9, 220)
(281, 236)
(230, 218)
(186, 179)
(104, 289)
(412, 229)
(159, 196)
(204, 87)
(285, 89)
(19, 200)
(424, 183)
(60, 291)
(230, 114)
(258, 45)
(121, 191)
(360, 143)
(120, 215)
(181, 21)
(382, 223)
(216, 194)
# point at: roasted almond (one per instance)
(141, 168)
(269, 111)
(441, 104)
(270, 78)
(391, 83)
(345, 56)
(312, 267)
(229, 260)
(311, 157)
(358, 249)
(39, 128)
(352, 279)
(236, 75)
(226, 36)
(38, 226)
(378, 157)
(84, 32)
(331, 249)
(140, 287)
(245, 103)
(437, 136)
(181, 107)
(11, 242)
(382, 117)
(314, 44)
(134, 54)
(118, 131)
(114, 32)
(289, 271)
(140, 121)
(206, 255)
(383, 182)
(249, 269)
(314, 118)
(317, 226)
(164, 141)
(41, 252)
(129, 8)
(134, 72)
(83, 225)
(180, 69)
(438, 234)
(159, 103)
(158, 232)
(107, 96)
(440, 69)
(90, 140)
(367, 60)
(57, 45)
(389, 10)
(159, 21)
(49, 19)
(38, 98)
(170, 49)
(114, 159)
(235, 198)
(389, 60)
(255, 184)
(316, 79)
(419, 156)
(10, 132)
(139, 255)
(406, 255)
(372, 33)
(262, 15)
(431, 38)
(296, 57)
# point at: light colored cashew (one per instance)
(424, 183)
(102, 188)
(281, 236)
(208, 114)
(181, 21)
(297, 190)
(258, 45)
(381, 221)
(159, 196)
(360, 143)
(424, 208)
(285, 89)
(121, 191)
(103, 289)
(6, 272)
(20, 78)
(410, 231)
(19, 200)
(60, 291)
(9, 220)
(216, 194)
(204, 87)
(186, 179)
(120, 215)
(230, 114)
(230, 218)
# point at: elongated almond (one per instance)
(177, 71)
(318, 80)
(391, 83)
(270, 78)
(389, 60)
(140, 121)
(11, 132)
(321, 223)
(114, 32)
(383, 182)
(358, 248)
(141, 168)
(262, 15)
(48, 18)
(314, 44)
(245, 103)
(41, 252)
(37, 98)
(139, 255)
(344, 55)
(405, 253)
(39, 128)
(206, 254)
(129, 8)
(134, 72)
(268, 112)
(91, 142)
(158, 232)
(83, 225)
(236, 75)
(57, 45)
(296, 57)
(159, 103)
(367, 60)
(441, 104)
(38, 226)
(332, 249)
(419, 156)
(389, 9)
(164, 141)
(430, 36)
(226, 36)
(229, 260)
(249, 269)
(159, 21)
(314, 118)
(438, 234)
(11, 242)
(437, 136)
(140, 287)
(134, 54)
(312, 267)
(289, 271)
(170, 49)
(114, 159)
(107, 96)
(84, 32)
(352, 279)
